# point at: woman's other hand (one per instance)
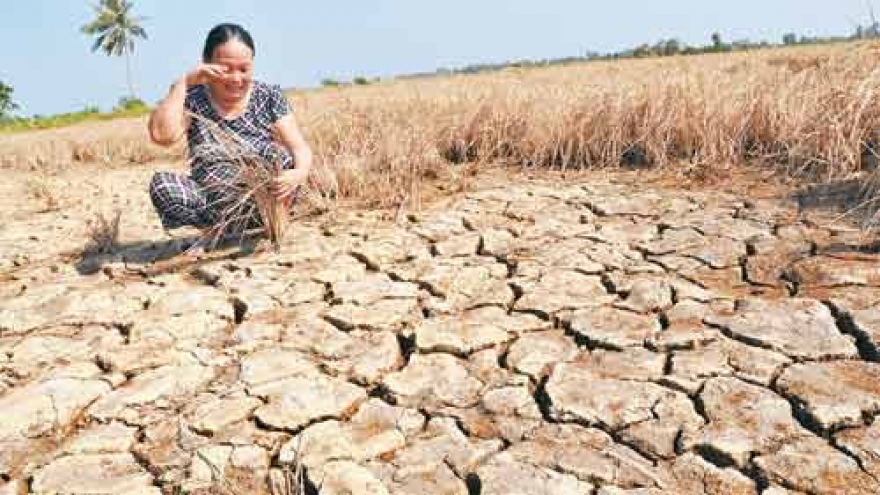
(205, 73)
(287, 181)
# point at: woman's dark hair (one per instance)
(221, 34)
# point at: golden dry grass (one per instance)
(41, 191)
(811, 111)
(111, 143)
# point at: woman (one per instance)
(220, 97)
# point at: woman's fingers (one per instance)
(208, 72)
(282, 194)
(282, 188)
(285, 185)
(215, 71)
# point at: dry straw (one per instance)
(103, 233)
(243, 193)
(812, 113)
(809, 112)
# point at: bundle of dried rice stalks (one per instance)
(240, 191)
(255, 181)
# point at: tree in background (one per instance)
(871, 30)
(642, 51)
(717, 42)
(669, 47)
(116, 29)
(7, 106)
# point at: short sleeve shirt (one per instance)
(267, 104)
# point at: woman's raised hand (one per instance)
(204, 73)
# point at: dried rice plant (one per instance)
(118, 142)
(290, 480)
(244, 194)
(218, 476)
(103, 234)
(39, 189)
(322, 190)
(811, 112)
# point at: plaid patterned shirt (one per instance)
(267, 104)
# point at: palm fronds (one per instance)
(115, 27)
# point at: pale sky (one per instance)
(51, 68)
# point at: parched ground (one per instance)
(597, 337)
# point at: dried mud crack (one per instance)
(592, 338)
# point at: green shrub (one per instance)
(129, 103)
(127, 107)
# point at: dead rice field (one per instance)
(810, 113)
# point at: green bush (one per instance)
(130, 103)
(127, 107)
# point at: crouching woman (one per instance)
(216, 106)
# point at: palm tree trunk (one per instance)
(128, 73)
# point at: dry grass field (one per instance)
(810, 112)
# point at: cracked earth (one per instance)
(592, 338)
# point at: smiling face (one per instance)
(238, 59)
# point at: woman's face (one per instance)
(238, 60)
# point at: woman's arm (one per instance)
(169, 121)
(288, 134)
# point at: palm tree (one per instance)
(116, 29)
